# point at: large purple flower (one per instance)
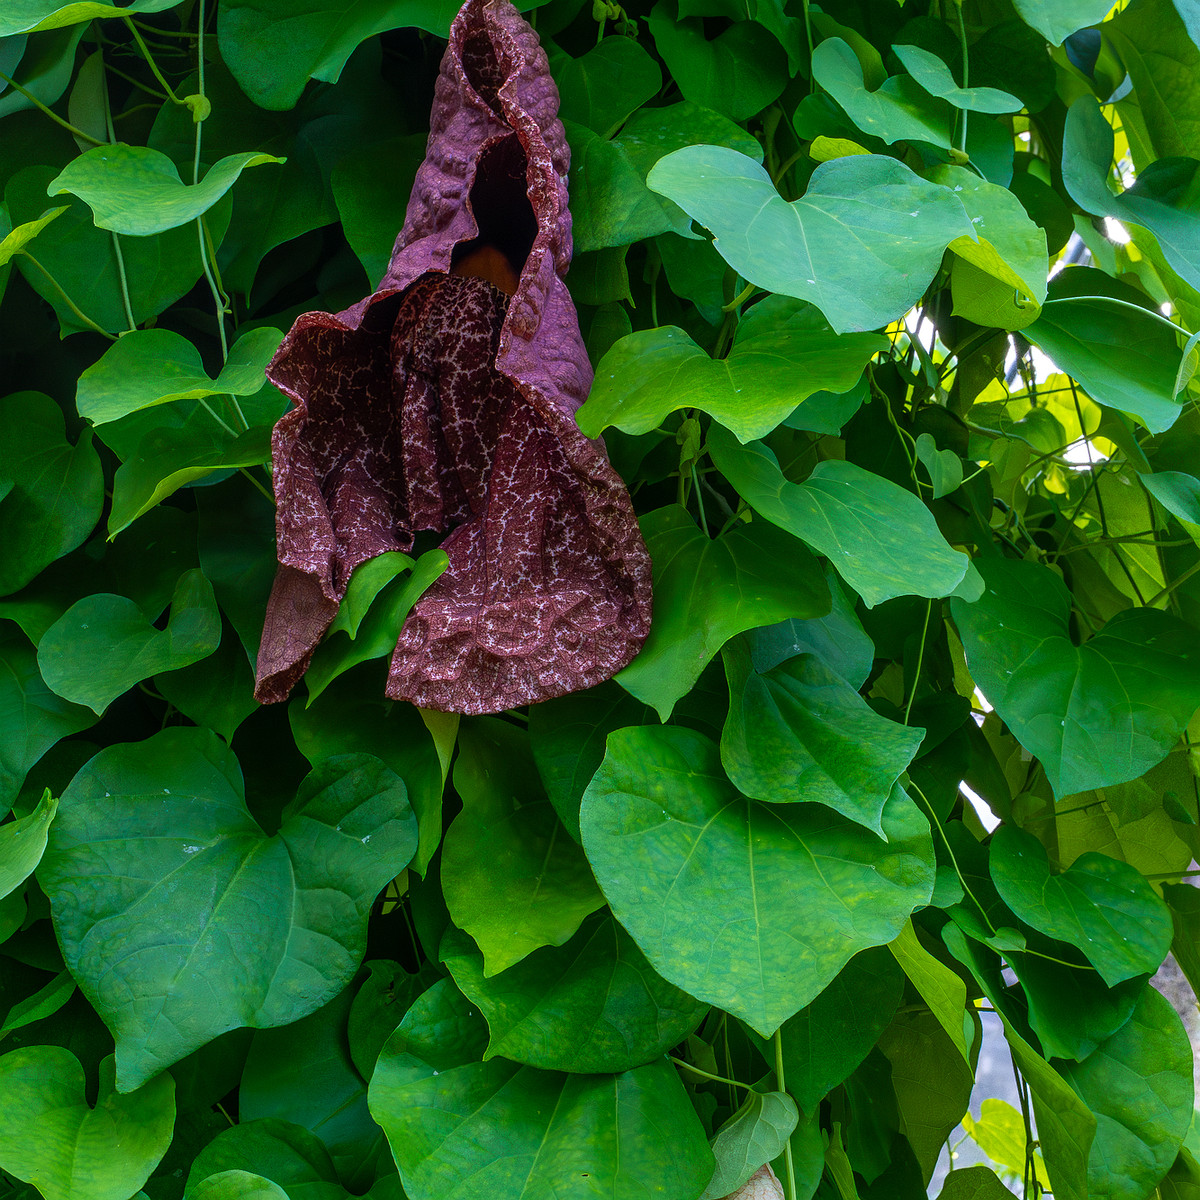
(446, 402)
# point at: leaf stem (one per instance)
(71, 129)
(920, 659)
(116, 241)
(151, 63)
(1176, 582)
(687, 1066)
(82, 316)
(781, 1083)
(962, 39)
(950, 850)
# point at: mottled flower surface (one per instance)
(446, 402)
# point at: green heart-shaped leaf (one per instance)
(56, 489)
(881, 539)
(748, 906)
(780, 357)
(136, 190)
(192, 909)
(863, 217)
(105, 644)
(50, 1137)
(1139, 1085)
(753, 1136)
(154, 366)
(800, 733)
(707, 590)
(1102, 906)
(1094, 714)
(28, 16)
(512, 877)
(1058, 19)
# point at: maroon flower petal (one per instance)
(442, 403)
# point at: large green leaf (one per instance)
(136, 190)
(480, 1131)
(1102, 906)
(800, 733)
(1153, 40)
(154, 366)
(900, 109)
(828, 1038)
(863, 217)
(52, 1138)
(512, 876)
(881, 539)
(973, 1183)
(22, 843)
(236, 1185)
(1094, 714)
(754, 1135)
(610, 202)
(738, 73)
(1163, 199)
(1139, 1086)
(707, 590)
(1058, 19)
(105, 644)
(602, 87)
(592, 1005)
(1125, 356)
(936, 78)
(32, 717)
(81, 259)
(783, 353)
(212, 924)
(27, 16)
(748, 906)
(56, 488)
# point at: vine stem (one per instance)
(962, 38)
(781, 1083)
(687, 1066)
(122, 279)
(920, 659)
(72, 129)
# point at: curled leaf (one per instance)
(445, 402)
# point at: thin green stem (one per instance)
(808, 29)
(72, 129)
(966, 887)
(212, 412)
(781, 1083)
(962, 38)
(122, 279)
(699, 501)
(920, 659)
(82, 316)
(151, 63)
(259, 486)
(687, 1066)
(137, 83)
(740, 298)
(1170, 588)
